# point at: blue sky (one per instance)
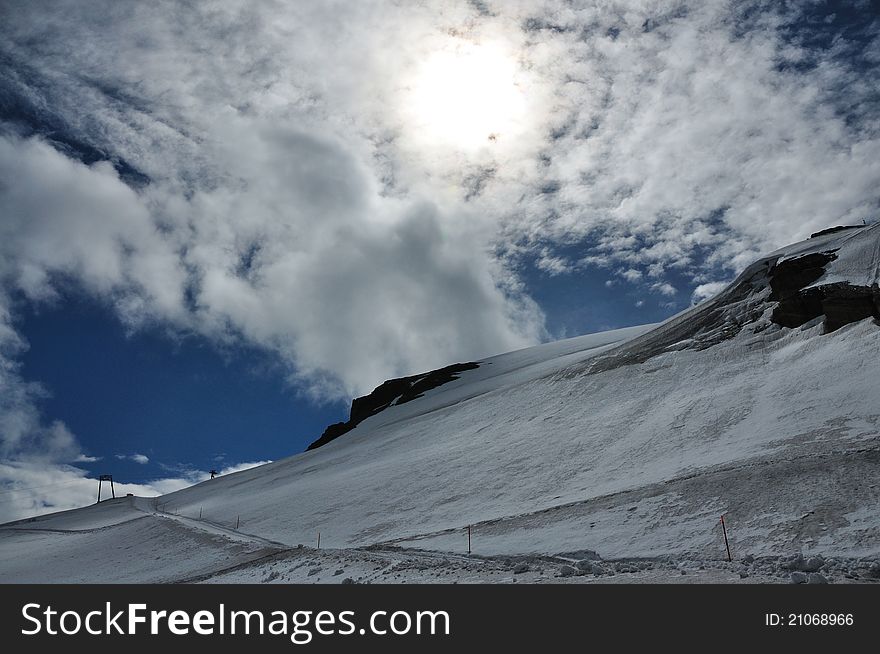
(181, 402)
(220, 223)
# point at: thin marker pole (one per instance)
(319, 540)
(727, 544)
(200, 513)
(469, 539)
(237, 521)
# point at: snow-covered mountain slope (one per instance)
(761, 404)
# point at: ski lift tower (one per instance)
(101, 480)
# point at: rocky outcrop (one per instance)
(790, 276)
(840, 303)
(391, 392)
(785, 285)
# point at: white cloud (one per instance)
(706, 291)
(338, 276)
(143, 459)
(551, 264)
(690, 136)
(664, 288)
(23, 432)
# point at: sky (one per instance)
(219, 222)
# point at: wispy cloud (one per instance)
(706, 291)
(664, 288)
(143, 459)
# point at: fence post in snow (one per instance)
(469, 539)
(319, 540)
(724, 529)
(237, 521)
(200, 513)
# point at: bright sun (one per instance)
(467, 98)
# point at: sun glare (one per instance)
(467, 98)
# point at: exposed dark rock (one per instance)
(798, 308)
(844, 303)
(391, 392)
(840, 303)
(335, 430)
(790, 276)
